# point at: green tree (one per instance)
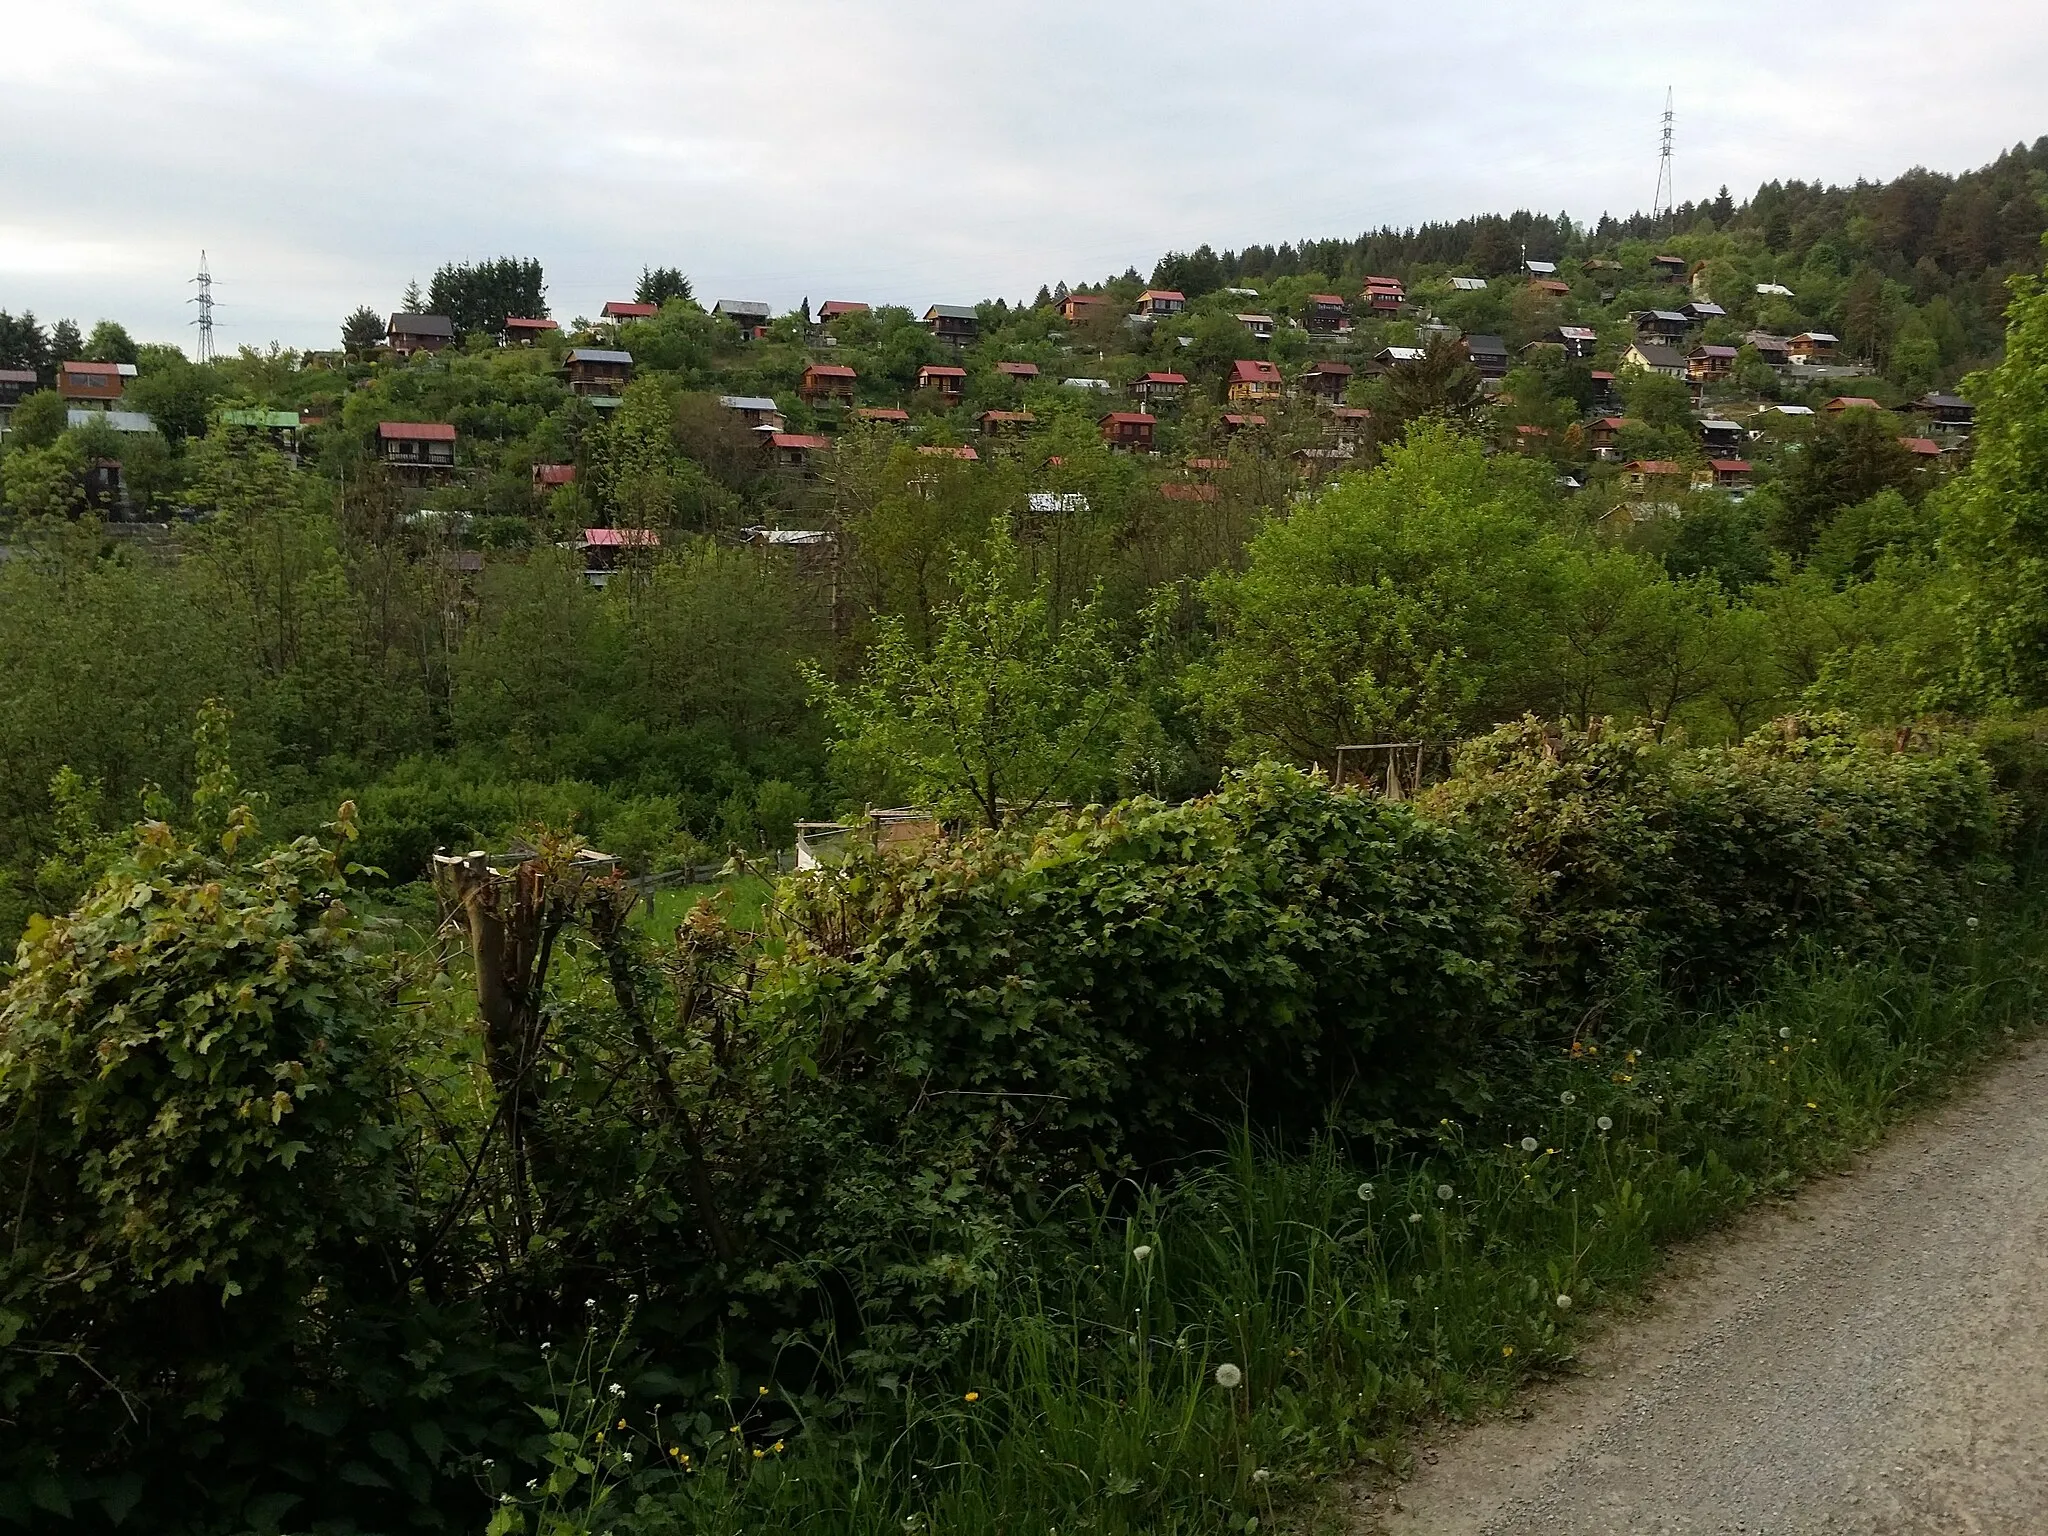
(658, 285)
(1846, 459)
(39, 420)
(478, 297)
(67, 345)
(361, 331)
(1406, 603)
(1014, 704)
(110, 343)
(45, 483)
(1441, 385)
(1997, 514)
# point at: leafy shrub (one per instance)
(1128, 978)
(1637, 864)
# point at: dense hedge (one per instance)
(255, 1256)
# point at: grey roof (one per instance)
(1717, 425)
(1579, 332)
(1774, 288)
(748, 403)
(120, 421)
(17, 375)
(1704, 308)
(950, 312)
(1541, 268)
(1818, 336)
(1468, 284)
(1659, 314)
(1943, 402)
(1400, 354)
(1658, 355)
(600, 355)
(1791, 410)
(748, 307)
(1489, 344)
(422, 325)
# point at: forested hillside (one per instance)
(1419, 778)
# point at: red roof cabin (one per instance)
(606, 549)
(1925, 449)
(1645, 474)
(1724, 475)
(839, 309)
(827, 384)
(1128, 431)
(1236, 421)
(962, 452)
(1022, 372)
(792, 451)
(1842, 404)
(1006, 423)
(89, 383)
(883, 415)
(1254, 379)
(418, 450)
(1384, 294)
(1078, 307)
(946, 382)
(616, 310)
(548, 477)
(520, 332)
(1326, 382)
(1326, 313)
(1160, 388)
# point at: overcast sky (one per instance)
(908, 151)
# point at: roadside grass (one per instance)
(1349, 1293)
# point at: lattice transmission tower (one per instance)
(204, 300)
(1662, 204)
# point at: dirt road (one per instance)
(1872, 1358)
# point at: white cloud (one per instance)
(326, 152)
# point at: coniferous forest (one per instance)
(1422, 768)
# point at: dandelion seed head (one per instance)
(1969, 922)
(1528, 1143)
(1261, 1475)
(1365, 1191)
(1443, 1191)
(1415, 1215)
(1564, 1302)
(1229, 1376)
(1605, 1122)
(1568, 1098)
(1784, 1031)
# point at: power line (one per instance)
(205, 303)
(1662, 204)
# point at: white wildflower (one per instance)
(1261, 1475)
(1142, 1252)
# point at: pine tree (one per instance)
(414, 301)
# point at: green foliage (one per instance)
(38, 421)
(1998, 514)
(1398, 605)
(1014, 705)
(478, 297)
(658, 285)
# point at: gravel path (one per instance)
(1870, 1358)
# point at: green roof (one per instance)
(260, 418)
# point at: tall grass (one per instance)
(1351, 1292)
